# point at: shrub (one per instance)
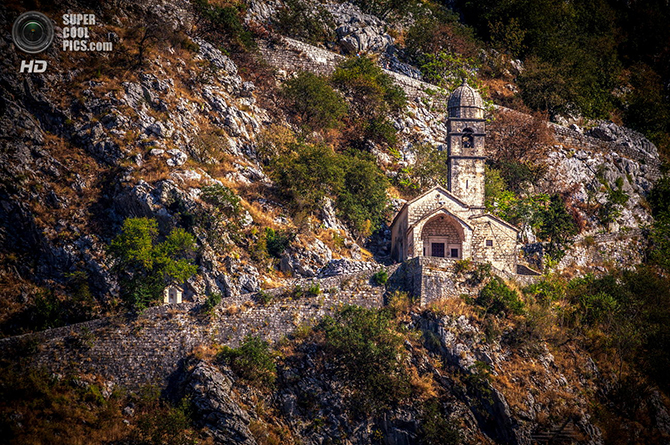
(277, 241)
(435, 426)
(307, 174)
(431, 167)
(311, 172)
(438, 31)
(252, 360)
(305, 20)
(211, 302)
(314, 101)
(314, 290)
(362, 200)
(163, 423)
(370, 87)
(496, 298)
(380, 277)
(368, 350)
(448, 71)
(382, 8)
(373, 96)
(144, 266)
(557, 227)
(229, 21)
(222, 198)
(264, 298)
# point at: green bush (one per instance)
(252, 360)
(229, 21)
(264, 298)
(145, 266)
(371, 88)
(223, 199)
(381, 277)
(314, 101)
(435, 426)
(305, 21)
(362, 200)
(309, 173)
(496, 298)
(277, 241)
(369, 352)
(314, 290)
(163, 423)
(212, 301)
(448, 71)
(373, 97)
(382, 8)
(557, 227)
(430, 169)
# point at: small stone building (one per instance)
(451, 222)
(173, 294)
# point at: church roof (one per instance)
(439, 188)
(497, 219)
(464, 97)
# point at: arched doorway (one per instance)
(442, 237)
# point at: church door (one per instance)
(437, 249)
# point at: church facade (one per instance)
(451, 221)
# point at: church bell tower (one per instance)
(466, 133)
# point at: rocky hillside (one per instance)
(201, 124)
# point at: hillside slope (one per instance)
(190, 128)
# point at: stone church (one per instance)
(451, 222)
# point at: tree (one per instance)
(308, 173)
(363, 200)
(368, 349)
(557, 227)
(373, 96)
(144, 266)
(314, 101)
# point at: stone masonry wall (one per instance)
(292, 55)
(502, 254)
(148, 348)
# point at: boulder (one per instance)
(211, 394)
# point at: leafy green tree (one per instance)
(308, 173)
(371, 88)
(659, 199)
(373, 96)
(382, 8)
(306, 21)
(362, 200)
(314, 101)
(277, 241)
(496, 298)
(228, 20)
(448, 71)
(146, 266)
(252, 360)
(557, 227)
(369, 351)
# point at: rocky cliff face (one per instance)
(88, 145)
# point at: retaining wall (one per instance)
(148, 348)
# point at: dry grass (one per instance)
(454, 307)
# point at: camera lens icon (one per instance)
(33, 32)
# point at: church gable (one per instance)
(434, 199)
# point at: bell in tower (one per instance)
(466, 135)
